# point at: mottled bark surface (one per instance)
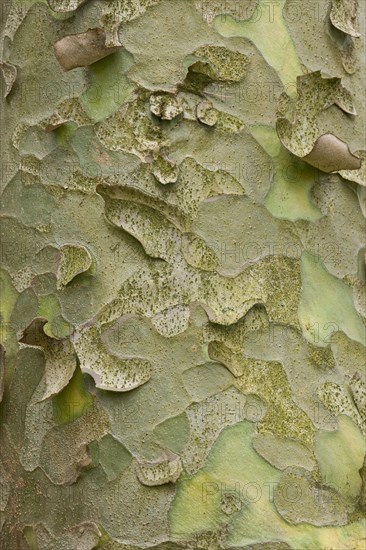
(183, 280)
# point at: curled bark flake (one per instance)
(81, 50)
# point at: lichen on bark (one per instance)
(183, 277)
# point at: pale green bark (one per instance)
(183, 275)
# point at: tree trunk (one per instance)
(183, 280)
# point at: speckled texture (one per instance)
(182, 318)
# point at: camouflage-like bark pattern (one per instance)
(183, 282)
